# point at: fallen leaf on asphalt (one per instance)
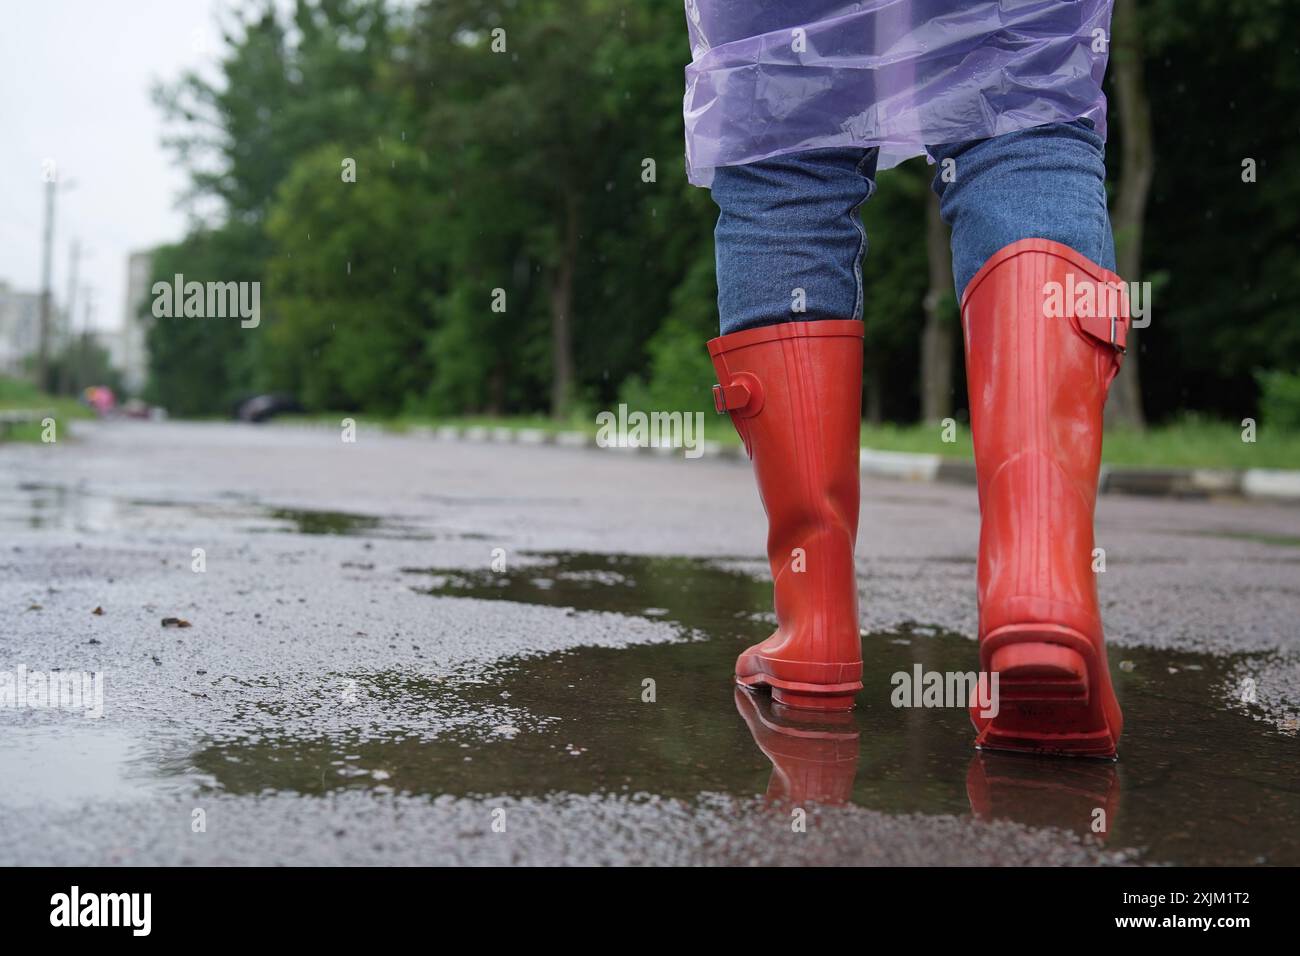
(175, 622)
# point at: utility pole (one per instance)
(47, 245)
(49, 173)
(65, 371)
(83, 344)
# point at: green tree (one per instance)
(1219, 243)
(202, 366)
(285, 87)
(351, 279)
(547, 113)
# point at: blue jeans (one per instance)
(790, 242)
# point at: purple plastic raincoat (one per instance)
(775, 76)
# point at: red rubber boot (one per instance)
(1037, 381)
(794, 393)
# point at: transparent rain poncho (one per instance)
(775, 76)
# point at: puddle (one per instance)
(45, 506)
(324, 522)
(1201, 780)
(73, 763)
(42, 506)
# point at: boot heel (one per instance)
(1047, 701)
(806, 700)
(1040, 672)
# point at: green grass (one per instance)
(18, 395)
(1198, 443)
(1189, 443)
(917, 438)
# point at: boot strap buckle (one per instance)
(1120, 344)
(743, 397)
(1109, 330)
(732, 397)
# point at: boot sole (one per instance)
(1046, 704)
(802, 696)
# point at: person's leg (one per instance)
(1029, 221)
(789, 366)
(1045, 182)
(789, 240)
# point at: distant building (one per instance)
(128, 346)
(20, 328)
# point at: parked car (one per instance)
(261, 408)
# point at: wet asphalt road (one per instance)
(360, 683)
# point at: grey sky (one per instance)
(74, 87)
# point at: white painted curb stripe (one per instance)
(900, 464)
(1270, 483)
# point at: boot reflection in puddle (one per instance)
(1081, 796)
(814, 755)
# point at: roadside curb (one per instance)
(1274, 483)
(1267, 484)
